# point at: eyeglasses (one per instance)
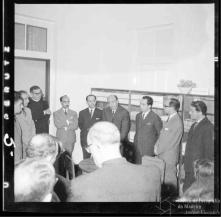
(166, 106)
(87, 148)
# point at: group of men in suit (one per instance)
(153, 137)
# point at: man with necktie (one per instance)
(87, 118)
(66, 122)
(119, 116)
(200, 141)
(148, 127)
(168, 144)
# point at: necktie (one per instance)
(143, 115)
(91, 113)
(168, 118)
(113, 112)
(65, 111)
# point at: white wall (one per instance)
(95, 46)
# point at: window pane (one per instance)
(36, 38)
(19, 36)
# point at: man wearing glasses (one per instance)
(66, 122)
(167, 146)
(39, 109)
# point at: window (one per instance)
(31, 38)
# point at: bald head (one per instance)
(104, 142)
(104, 133)
(65, 101)
(113, 102)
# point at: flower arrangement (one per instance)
(185, 86)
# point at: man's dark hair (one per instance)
(35, 87)
(17, 96)
(115, 97)
(200, 106)
(149, 100)
(174, 103)
(90, 95)
(61, 98)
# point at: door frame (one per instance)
(48, 56)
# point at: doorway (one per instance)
(29, 72)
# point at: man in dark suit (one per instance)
(148, 127)
(115, 180)
(119, 116)
(87, 118)
(39, 109)
(200, 142)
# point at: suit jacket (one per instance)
(121, 119)
(40, 119)
(118, 181)
(67, 137)
(168, 143)
(18, 152)
(200, 144)
(85, 121)
(27, 126)
(147, 132)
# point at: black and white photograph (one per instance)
(111, 108)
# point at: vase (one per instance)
(185, 90)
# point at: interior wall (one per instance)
(96, 46)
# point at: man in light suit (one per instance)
(66, 122)
(87, 118)
(200, 141)
(148, 126)
(119, 116)
(168, 145)
(115, 180)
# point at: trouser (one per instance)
(188, 181)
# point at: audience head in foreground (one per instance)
(34, 180)
(115, 180)
(203, 187)
(46, 147)
(103, 142)
(43, 146)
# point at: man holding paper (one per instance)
(66, 122)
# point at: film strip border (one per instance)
(8, 143)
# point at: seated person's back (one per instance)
(116, 180)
